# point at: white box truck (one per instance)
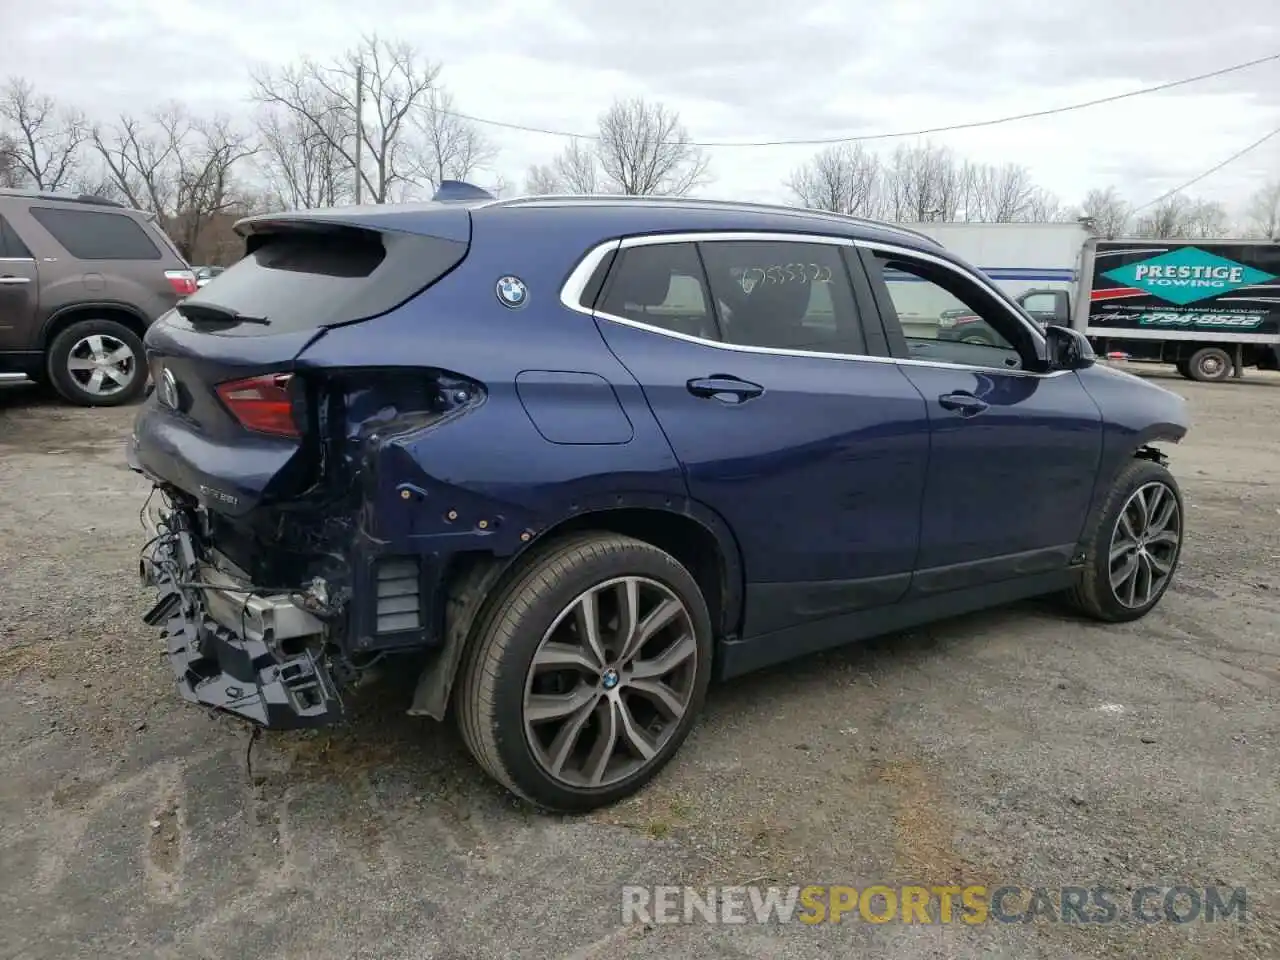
(1209, 307)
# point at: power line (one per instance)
(1212, 170)
(824, 141)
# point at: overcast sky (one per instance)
(736, 70)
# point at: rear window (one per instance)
(91, 235)
(166, 240)
(303, 280)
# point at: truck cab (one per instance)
(1046, 306)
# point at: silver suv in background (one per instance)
(81, 279)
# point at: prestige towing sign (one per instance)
(1228, 287)
(1188, 274)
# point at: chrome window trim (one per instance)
(580, 276)
(730, 236)
(576, 284)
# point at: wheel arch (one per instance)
(75, 313)
(1143, 444)
(689, 531)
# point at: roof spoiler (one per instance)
(451, 191)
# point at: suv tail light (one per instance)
(262, 404)
(182, 281)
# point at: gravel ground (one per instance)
(1016, 746)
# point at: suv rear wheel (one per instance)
(98, 363)
(586, 672)
(1210, 364)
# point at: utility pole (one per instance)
(359, 123)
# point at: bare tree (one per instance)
(10, 174)
(543, 180)
(46, 141)
(1166, 219)
(642, 150)
(923, 183)
(1179, 216)
(207, 153)
(299, 159)
(845, 178)
(140, 156)
(577, 169)
(1264, 211)
(398, 85)
(1044, 207)
(997, 194)
(451, 148)
(180, 168)
(1109, 212)
(1207, 219)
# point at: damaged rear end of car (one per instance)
(262, 525)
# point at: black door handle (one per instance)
(966, 404)
(725, 388)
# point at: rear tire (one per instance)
(98, 363)
(1184, 368)
(1138, 532)
(546, 716)
(1210, 365)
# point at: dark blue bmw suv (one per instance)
(576, 456)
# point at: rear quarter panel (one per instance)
(492, 463)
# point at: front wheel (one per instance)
(1134, 547)
(586, 672)
(98, 363)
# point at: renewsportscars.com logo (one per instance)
(1188, 274)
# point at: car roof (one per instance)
(608, 216)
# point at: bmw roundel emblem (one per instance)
(512, 292)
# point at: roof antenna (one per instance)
(451, 190)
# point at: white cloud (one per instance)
(743, 70)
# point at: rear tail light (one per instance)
(262, 404)
(182, 281)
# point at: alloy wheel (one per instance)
(610, 682)
(1144, 544)
(102, 365)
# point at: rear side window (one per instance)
(91, 235)
(11, 245)
(302, 280)
(661, 285)
(784, 295)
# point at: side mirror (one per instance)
(1067, 349)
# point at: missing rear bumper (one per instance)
(257, 656)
